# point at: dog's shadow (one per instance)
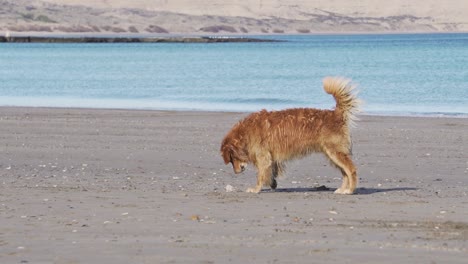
(365, 191)
(359, 191)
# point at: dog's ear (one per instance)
(226, 153)
(232, 148)
(238, 153)
(226, 150)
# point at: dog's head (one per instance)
(233, 151)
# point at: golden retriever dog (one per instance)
(269, 139)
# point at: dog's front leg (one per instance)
(258, 187)
(263, 177)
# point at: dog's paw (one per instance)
(339, 191)
(343, 191)
(274, 184)
(253, 190)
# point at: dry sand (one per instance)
(115, 186)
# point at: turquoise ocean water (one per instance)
(420, 74)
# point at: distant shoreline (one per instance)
(195, 111)
(118, 39)
(42, 37)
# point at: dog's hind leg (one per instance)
(345, 164)
(345, 183)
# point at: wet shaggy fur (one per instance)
(269, 139)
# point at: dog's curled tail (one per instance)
(347, 102)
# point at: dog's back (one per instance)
(293, 133)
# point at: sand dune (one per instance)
(449, 10)
(232, 17)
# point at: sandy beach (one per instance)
(128, 186)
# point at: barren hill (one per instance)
(232, 17)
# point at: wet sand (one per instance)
(118, 186)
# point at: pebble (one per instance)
(229, 188)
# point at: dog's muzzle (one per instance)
(239, 169)
(242, 168)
